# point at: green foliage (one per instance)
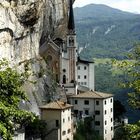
(36, 129)
(128, 132)
(119, 109)
(85, 131)
(92, 24)
(133, 131)
(11, 93)
(120, 133)
(107, 80)
(133, 70)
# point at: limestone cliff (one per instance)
(25, 25)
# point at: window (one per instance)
(64, 133)
(85, 67)
(69, 130)
(111, 119)
(105, 112)
(64, 79)
(56, 123)
(86, 112)
(81, 83)
(111, 109)
(86, 102)
(68, 118)
(78, 76)
(97, 123)
(105, 122)
(78, 83)
(105, 131)
(111, 100)
(97, 112)
(49, 58)
(63, 120)
(97, 102)
(76, 102)
(85, 77)
(105, 102)
(111, 128)
(78, 67)
(64, 70)
(71, 41)
(85, 83)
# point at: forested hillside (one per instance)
(104, 32)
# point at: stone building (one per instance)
(58, 117)
(62, 57)
(97, 105)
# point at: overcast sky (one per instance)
(125, 5)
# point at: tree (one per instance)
(85, 131)
(11, 94)
(132, 69)
(107, 79)
(36, 129)
(119, 109)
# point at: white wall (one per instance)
(88, 72)
(108, 107)
(104, 130)
(19, 136)
(91, 76)
(80, 106)
(82, 72)
(65, 65)
(66, 124)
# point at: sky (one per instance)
(125, 5)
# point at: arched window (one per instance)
(64, 79)
(49, 58)
(71, 41)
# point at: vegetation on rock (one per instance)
(11, 94)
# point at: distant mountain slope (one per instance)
(106, 32)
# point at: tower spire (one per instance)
(71, 25)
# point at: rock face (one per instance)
(25, 25)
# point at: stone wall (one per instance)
(24, 26)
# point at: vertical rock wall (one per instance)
(24, 26)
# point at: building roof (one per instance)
(56, 105)
(93, 95)
(71, 24)
(84, 61)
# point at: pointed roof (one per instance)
(71, 24)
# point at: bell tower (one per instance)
(71, 45)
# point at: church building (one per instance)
(64, 62)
